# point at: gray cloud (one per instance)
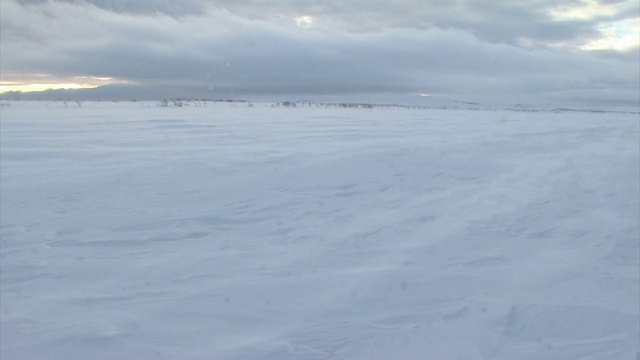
(503, 21)
(257, 48)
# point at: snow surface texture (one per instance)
(131, 231)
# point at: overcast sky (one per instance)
(508, 50)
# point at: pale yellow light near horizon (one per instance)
(46, 82)
(31, 87)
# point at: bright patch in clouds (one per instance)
(621, 36)
(47, 82)
(6, 86)
(304, 21)
(586, 10)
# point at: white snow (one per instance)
(131, 231)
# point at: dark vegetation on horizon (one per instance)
(456, 105)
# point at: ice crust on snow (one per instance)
(230, 231)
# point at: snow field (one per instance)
(132, 231)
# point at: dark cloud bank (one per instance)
(210, 49)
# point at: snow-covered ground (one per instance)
(132, 231)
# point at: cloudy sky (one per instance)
(485, 50)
